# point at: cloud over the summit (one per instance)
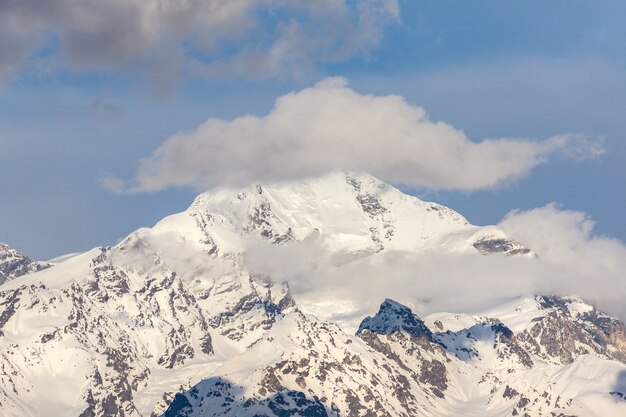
(162, 38)
(330, 126)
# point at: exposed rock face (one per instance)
(494, 244)
(393, 318)
(14, 264)
(565, 333)
(317, 370)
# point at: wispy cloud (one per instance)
(330, 126)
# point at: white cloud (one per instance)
(330, 126)
(163, 36)
(595, 263)
(572, 261)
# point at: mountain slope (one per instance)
(123, 321)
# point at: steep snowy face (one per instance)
(14, 264)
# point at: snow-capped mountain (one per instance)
(14, 264)
(351, 215)
(173, 321)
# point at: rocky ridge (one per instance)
(14, 264)
(395, 366)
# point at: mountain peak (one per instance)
(14, 264)
(352, 213)
(393, 317)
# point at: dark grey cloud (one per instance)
(204, 37)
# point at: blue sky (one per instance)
(78, 105)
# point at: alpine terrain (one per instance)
(174, 321)
(14, 264)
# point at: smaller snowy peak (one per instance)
(489, 340)
(14, 264)
(393, 317)
(559, 329)
(570, 305)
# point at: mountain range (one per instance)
(186, 319)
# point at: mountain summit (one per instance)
(351, 214)
(172, 321)
(394, 317)
(14, 264)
